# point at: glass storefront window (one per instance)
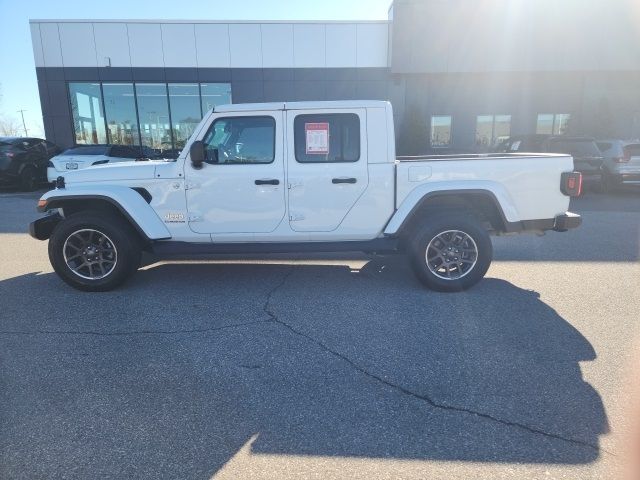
(88, 113)
(184, 103)
(492, 129)
(153, 114)
(484, 130)
(441, 130)
(561, 123)
(120, 110)
(161, 116)
(553, 123)
(214, 94)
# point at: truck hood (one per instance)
(115, 171)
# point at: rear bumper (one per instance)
(567, 221)
(42, 228)
(560, 223)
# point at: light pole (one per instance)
(24, 125)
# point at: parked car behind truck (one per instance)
(308, 176)
(587, 157)
(23, 161)
(621, 163)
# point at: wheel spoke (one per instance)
(451, 254)
(83, 264)
(90, 254)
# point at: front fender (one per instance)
(422, 192)
(129, 202)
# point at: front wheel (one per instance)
(94, 251)
(450, 252)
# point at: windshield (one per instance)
(575, 147)
(89, 150)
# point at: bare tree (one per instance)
(9, 126)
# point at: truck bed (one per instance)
(526, 185)
(475, 156)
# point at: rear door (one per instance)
(327, 166)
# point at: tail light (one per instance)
(571, 184)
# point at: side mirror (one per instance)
(197, 154)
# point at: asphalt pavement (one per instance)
(323, 366)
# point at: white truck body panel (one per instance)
(127, 200)
(222, 204)
(509, 180)
(308, 176)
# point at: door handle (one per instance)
(344, 180)
(273, 181)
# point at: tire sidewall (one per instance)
(438, 224)
(118, 232)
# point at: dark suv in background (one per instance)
(23, 161)
(587, 158)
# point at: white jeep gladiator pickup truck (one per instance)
(292, 177)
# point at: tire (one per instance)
(28, 179)
(105, 240)
(455, 235)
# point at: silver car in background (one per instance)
(621, 164)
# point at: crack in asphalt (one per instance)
(129, 333)
(425, 398)
(273, 317)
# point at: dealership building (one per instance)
(461, 74)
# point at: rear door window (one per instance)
(327, 138)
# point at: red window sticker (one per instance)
(317, 136)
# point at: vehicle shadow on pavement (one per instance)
(175, 373)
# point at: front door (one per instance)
(327, 167)
(240, 188)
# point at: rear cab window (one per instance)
(91, 150)
(327, 138)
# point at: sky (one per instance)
(18, 85)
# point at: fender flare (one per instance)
(421, 194)
(126, 200)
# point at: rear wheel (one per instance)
(94, 251)
(450, 252)
(29, 179)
